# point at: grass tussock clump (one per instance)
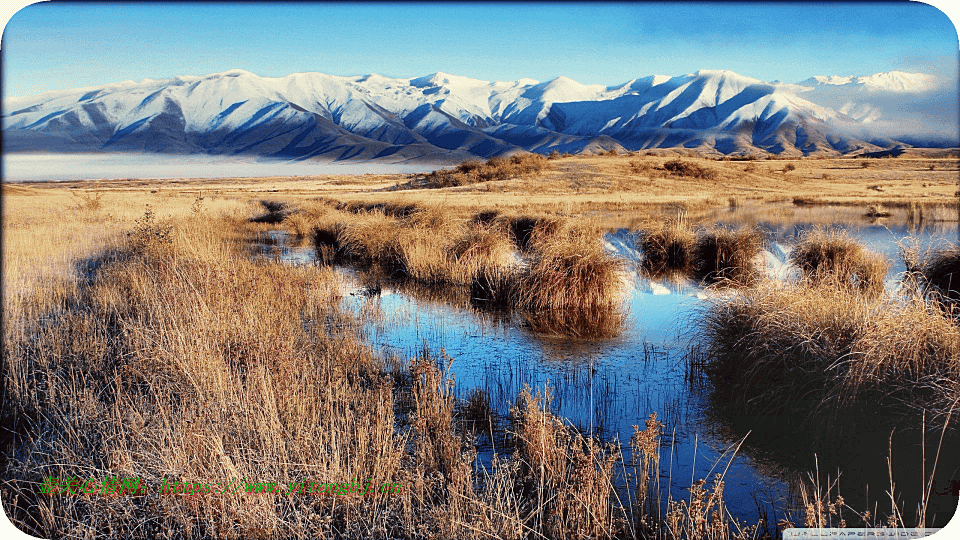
(713, 254)
(571, 273)
(940, 272)
(494, 169)
(725, 254)
(483, 250)
(780, 347)
(667, 247)
(367, 237)
(833, 256)
(529, 231)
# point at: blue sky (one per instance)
(53, 46)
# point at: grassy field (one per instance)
(142, 340)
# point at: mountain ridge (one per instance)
(315, 115)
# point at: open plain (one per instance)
(153, 330)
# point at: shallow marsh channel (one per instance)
(606, 386)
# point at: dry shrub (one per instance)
(472, 172)
(678, 167)
(833, 256)
(725, 254)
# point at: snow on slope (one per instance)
(307, 115)
(893, 81)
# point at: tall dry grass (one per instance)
(726, 254)
(668, 246)
(571, 283)
(833, 256)
(177, 357)
(815, 346)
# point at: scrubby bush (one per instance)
(495, 169)
(679, 167)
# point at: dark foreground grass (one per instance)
(181, 358)
(940, 272)
(779, 348)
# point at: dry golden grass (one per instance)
(179, 357)
(149, 344)
(667, 246)
(569, 270)
(611, 184)
(833, 256)
(713, 254)
(482, 250)
(813, 346)
(725, 254)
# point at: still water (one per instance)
(606, 386)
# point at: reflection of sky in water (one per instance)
(609, 385)
(621, 380)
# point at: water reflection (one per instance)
(605, 386)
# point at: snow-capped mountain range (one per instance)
(447, 118)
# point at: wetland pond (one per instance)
(606, 386)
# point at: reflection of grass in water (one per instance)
(575, 323)
(568, 273)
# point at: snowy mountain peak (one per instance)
(891, 81)
(899, 81)
(306, 115)
(232, 73)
